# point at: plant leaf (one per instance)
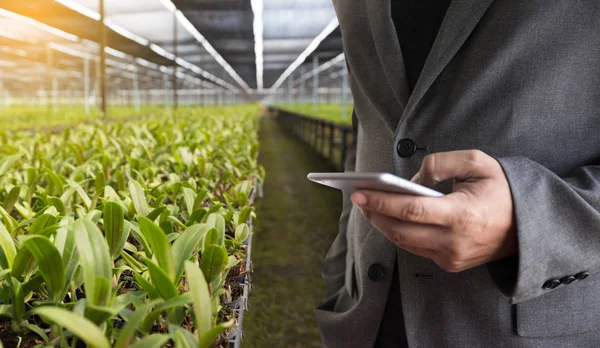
(8, 249)
(189, 196)
(161, 248)
(213, 261)
(138, 197)
(152, 341)
(200, 295)
(11, 198)
(184, 246)
(160, 280)
(114, 227)
(78, 325)
(242, 232)
(49, 262)
(95, 261)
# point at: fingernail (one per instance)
(359, 198)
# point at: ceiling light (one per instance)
(39, 25)
(209, 48)
(126, 33)
(161, 51)
(257, 8)
(75, 6)
(338, 59)
(307, 52)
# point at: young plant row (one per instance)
(127, 234)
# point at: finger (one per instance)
(460, 165)
(419, 209)
(415, 178)
(408, 234)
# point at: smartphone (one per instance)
(386, 182)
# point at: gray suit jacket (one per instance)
(519, 80)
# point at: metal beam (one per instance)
(175, 44)
(104, 106)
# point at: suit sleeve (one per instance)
(334, 266)
(558, 228)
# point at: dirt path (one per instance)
(297, 224)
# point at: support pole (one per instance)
(136, 88)
(166, 87)
(104, 107)
(290, 90)
(175, 44)
(315, 83)
(49, 77)
(345, 92)
(301, 95)
(86, 85)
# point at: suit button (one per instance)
(406, 148)
(567, 280)
(582, 275)
(376, 272)
(551, 284)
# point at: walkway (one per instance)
(297, 223)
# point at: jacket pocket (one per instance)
(572, 309)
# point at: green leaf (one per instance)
(65, 243)
(146, 286)
(242, 199)
(43, 221)
(58, 204)
(78, 325)
(156, 213)
(39, 331)
(196, 216)
(175, 302)
(132, 262)
(180, 340)
(244, 215)
(95, 261)
(100, 182)
(200, 295)
(138, 197)
(213, 261)
(217, 221)
(8, 250)
(242, 232)
(213, 334)
(184, 247)
(152, 341)
(212, 238)
(49, 262)
(128, 332)
(114, 227)
(161, 248)
(11, 198)
(161, 281)
(189, 196)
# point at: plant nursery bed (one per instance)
(130, 234)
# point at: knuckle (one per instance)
(451, 266)
(455, 251)
(413, 211)
(465, 220)
(475, 155)
(428, 166)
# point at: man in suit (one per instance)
(497, 104)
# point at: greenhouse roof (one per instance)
(217, 40)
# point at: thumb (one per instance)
(459, 165)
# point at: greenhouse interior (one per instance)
(153, 166)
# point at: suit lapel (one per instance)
(461, 19)
(389, 53)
